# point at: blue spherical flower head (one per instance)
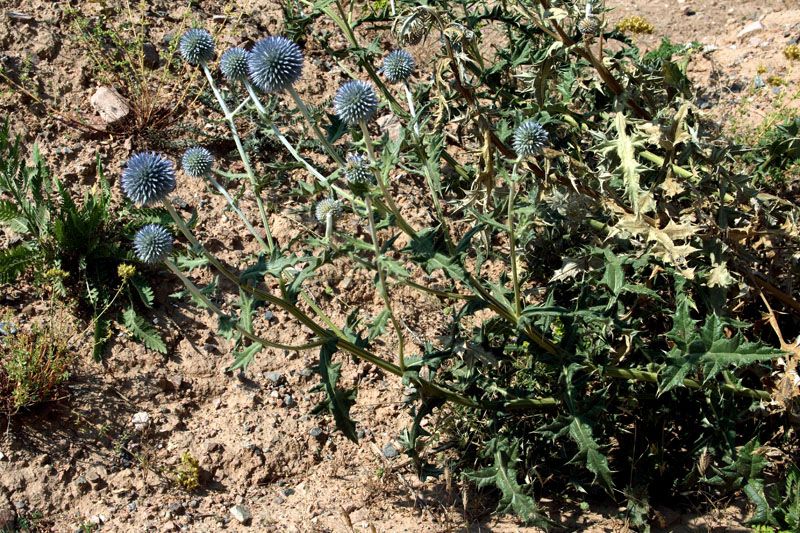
(197, 46)
(148, 178)
(233, 64)
(275, 63)
(328, 206)
(398, 66)
(197, 162)
(356, 102)
(529, 139)
(358, 174)
(152, 243)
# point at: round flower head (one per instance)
(197, 162)
(148, 178)
(398, 66)
(152, 243)
(275, 63)
(328, 206)
(233, 64)
(356, 102)
(414, 32)
(197, 46)
(529, 139)
(589, 25)
(358, 174)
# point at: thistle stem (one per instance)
(242, 153)
(357, 351)
(255, 338)
(401, 222)
(512, 185)
(242, 216)
(262, 112)
(328, 226)
(383, 290)
(324, 140)
(411, 108)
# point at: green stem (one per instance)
(401, 222)
(242, 216)
(512, 184)
(383, 290)
(242, 153)
(255, 338)
(324, 140)
(262, 112)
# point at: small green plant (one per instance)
(187, 475)
(81, 242)
(32, 365)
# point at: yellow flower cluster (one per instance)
(635, 25)
(792, 52)
(126, 271)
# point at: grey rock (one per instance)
(132, 506)
(241, 513)
(275, 377)
(316, 432)
(278, 500)
(288, 401)
(176, 508)
(111, 107)
(389, 451)
(287, 492)
(150, 55)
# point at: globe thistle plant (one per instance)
(356, 102)
(233, 64)
(152, 243)
(196, 46)
(275, 63)
(197, 162)
(589, 26)
(530, 139)
(398, 66)
(148, 178)
(326, 207)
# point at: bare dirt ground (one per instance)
(254, 440)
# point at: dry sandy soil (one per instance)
(255, 442)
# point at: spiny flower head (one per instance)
(148, 178)
(328, 206)
(275, 63)
(233, 64)
(197, 162)
(152, 243)
(589, 25)
(358, 174)
(398, 66)
(356, 102)
(197, 46)
(529, 139)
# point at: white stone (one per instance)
(241, 513)
(111, 107)
(750, 28)
(140, 420)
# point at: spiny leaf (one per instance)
(339, 400)
(245, 356)
(142, 331)
(581, 433)
(503, 475)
